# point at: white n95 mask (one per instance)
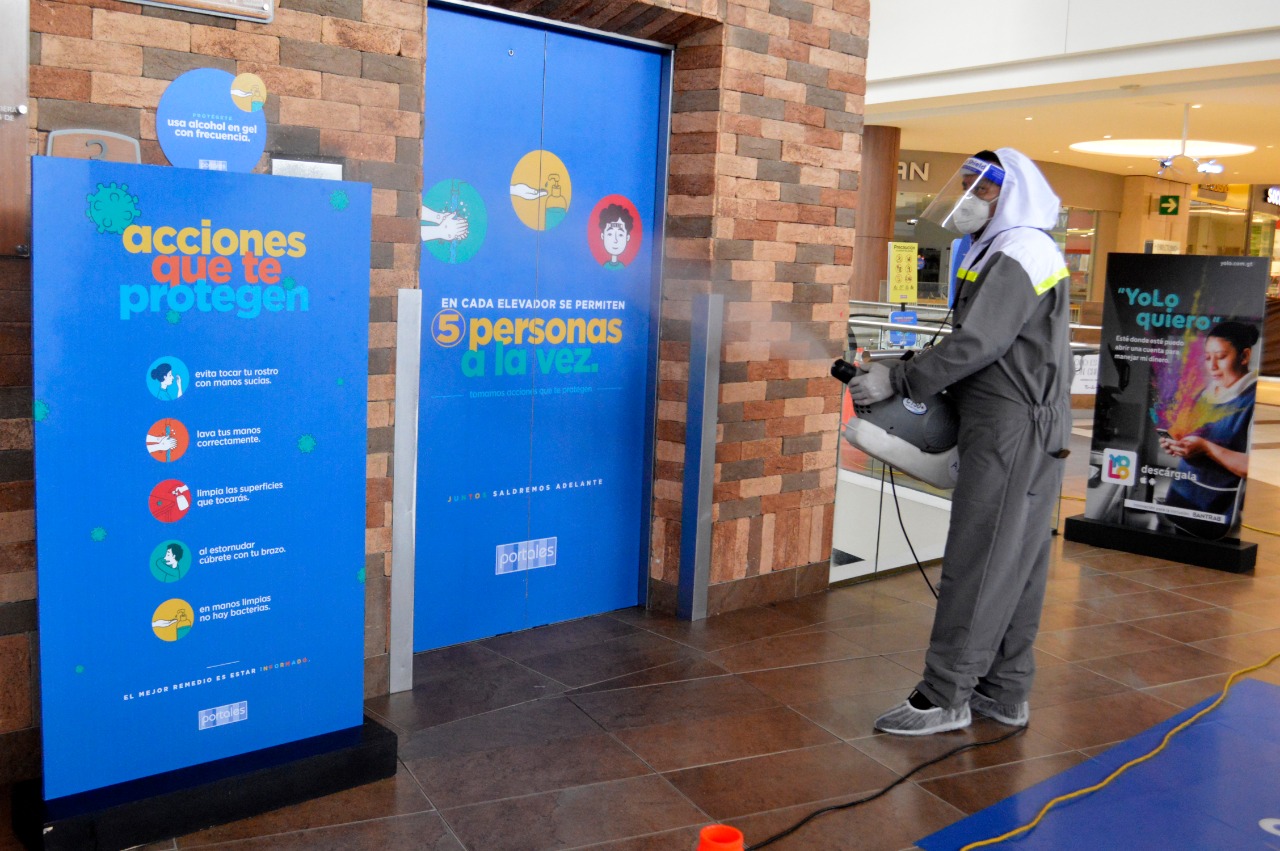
(970, 214)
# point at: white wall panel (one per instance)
(911, 37)
(1110, 24)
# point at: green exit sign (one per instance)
(1168, 205)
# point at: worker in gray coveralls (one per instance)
(1007, 365)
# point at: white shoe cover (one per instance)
(905, 720)
(1013, 714)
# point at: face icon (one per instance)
(166, 380)
(615, 237)
(170, 559)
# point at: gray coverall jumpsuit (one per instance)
(1007, 365)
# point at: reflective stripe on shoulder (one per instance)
(1037, 254)
(967, 274)
(1048, 283)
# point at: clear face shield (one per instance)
(966, 203)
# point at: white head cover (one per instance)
(1026, 199)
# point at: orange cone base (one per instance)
(720, 837)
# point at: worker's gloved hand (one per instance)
(871, 384)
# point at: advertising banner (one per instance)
(201, 367)
(540, 229)
(1176, 384)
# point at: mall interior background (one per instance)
(1045, 77)
(763, 207)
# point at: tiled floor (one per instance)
(627, 731)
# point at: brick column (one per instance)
(766, 142)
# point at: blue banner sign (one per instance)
(201, 370)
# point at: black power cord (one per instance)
(887, 470)
(894, 487)
(849, 805)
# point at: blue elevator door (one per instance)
(542, 199)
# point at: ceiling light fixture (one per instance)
(1166, 152)
(1160, 148)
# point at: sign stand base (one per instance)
(1229, 554)
(190, 799)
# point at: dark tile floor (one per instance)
(629, 730)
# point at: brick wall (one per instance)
(18, 681)
(764, 168)
(764, 173)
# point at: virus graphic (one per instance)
(40, 411)
(173, 317)
(339, 200)
(306, 443)
(112, 208)
(360, 575)
(289, 283)
(98, 534)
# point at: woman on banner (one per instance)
(1215, 455)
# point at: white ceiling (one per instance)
(1239, 103)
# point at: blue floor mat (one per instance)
(1216, 786)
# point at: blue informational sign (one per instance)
(200, 381)
(903, 317)
(210, 119)
(540, 229)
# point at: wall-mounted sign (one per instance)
(318, 169)
(210, 119)
(1168, 205)
(1273, 196)
(15, 162)
(1163, 246)
(1212, 191)
(913, 171)
(261, 11)
(93, 145)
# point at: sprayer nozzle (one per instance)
(843, 370)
